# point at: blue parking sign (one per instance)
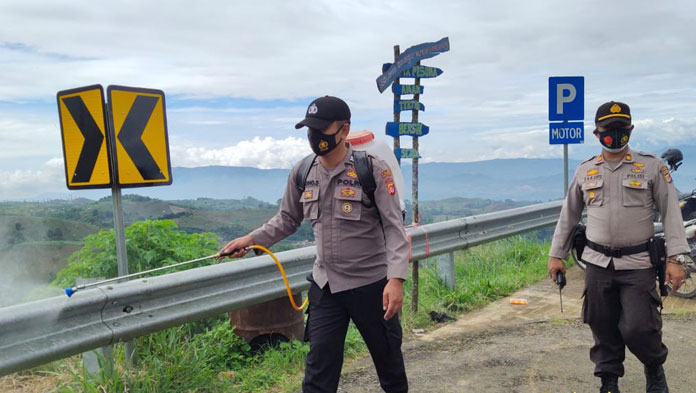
(566, 133)
(566, 98)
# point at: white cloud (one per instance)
(491, 101)
(21, 184)
(263, 153)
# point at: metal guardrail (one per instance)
(35, 333)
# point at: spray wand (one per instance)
(71, 291)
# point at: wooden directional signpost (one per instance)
(407, 65)
(122, 145)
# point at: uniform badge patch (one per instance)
(386, 174)
(389, 182)
(347, 192)
(599, 158)
(666, 174)
(352, 174)
(637, 170)
(635, 183)
(308, 195)
(592, 194)
(628, 157)
(638, 164)
(347, 207)
(592, 172)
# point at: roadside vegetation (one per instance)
(206, 356)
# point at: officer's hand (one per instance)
(392, 297)
(555, 265)
(674, 275)
(239, 246)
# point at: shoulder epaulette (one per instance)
(589, 159)
(642, 153)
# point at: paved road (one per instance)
(533, 348)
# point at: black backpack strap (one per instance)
(303, 172)
(363, 167)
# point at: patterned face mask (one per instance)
(615, 139)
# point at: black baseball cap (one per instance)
(612, 112)
(323, 111)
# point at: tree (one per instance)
(149, 244)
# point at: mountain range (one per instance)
(519, 179)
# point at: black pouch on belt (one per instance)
(578, 240)
(658, 258)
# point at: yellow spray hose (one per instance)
(285, 278)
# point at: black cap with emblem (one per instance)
(324, 111)
(612, 112)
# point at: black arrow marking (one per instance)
(93, 138)
(131, 134)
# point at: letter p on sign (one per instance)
(566, 98)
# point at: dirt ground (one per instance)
(523, 349)
(550, 356)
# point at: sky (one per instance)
(238, 75)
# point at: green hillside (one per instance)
(36, 238)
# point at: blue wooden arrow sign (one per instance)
(407, 105)
(417, 71)
(397, 129)
(407, 89)
(406, 153)
(409, 58)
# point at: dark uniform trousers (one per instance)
(327, 324)
(621, 307)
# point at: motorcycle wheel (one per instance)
(688, 288)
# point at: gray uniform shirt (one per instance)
(353, 249)
(620, 200)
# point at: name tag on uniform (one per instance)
(350, 193)
(636, 184)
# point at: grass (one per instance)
(183, 359)
(483, 274)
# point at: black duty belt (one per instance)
(617, 252)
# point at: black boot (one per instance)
(655, 381)
(610, 384)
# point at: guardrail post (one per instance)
(445, 269)
(414, 287)
(100, 358)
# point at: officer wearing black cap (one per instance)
(362, 252)
(621, 188)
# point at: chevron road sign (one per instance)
(83, 132)
(138, 120)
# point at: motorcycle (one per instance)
(687, 205)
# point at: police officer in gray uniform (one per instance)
(362, 252)
(620, 188)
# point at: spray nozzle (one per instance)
(70, 291)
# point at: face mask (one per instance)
(615, 139)
(320, 143)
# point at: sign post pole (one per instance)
(397, 114)
(119, 227)
(565, 169)
(408, 65)
(415, 216)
